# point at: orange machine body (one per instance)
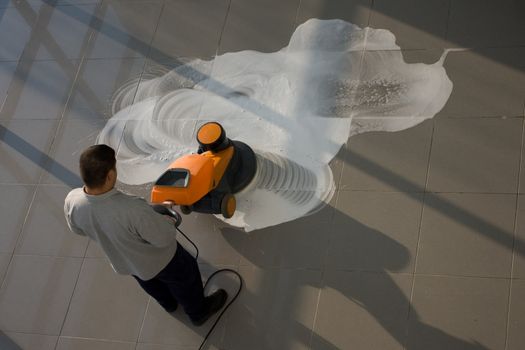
(204, 172)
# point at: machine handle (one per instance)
(165, 210)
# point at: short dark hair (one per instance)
(95, 164)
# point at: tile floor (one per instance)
(423, 246)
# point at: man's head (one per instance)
(98, 167)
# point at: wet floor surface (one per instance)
(422, 246)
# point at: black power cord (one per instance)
(177, 220)
(209, 279)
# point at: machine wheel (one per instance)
(228, 205)
(184, 209)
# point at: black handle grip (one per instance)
(163, 210)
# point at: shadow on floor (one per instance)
(6, 343)
(386, 255)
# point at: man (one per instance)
(137, 240)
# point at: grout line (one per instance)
(147, 59)
(390, 273)
(449, 13)
(88, 37)
(143, 320)
(23, 119)
(70, 301)
(57, 256)
(228, 9)
(296, 19)
(96, 339)
(318, 302)
(19, 236)
(24, 184)
(515, 231)
(288, 268)
(323, 267)
(453, 48)
(198, 119)
(43, 167)
(421, 216)
(425, 192)
(139, 81)
(30, 333)
(479, 117)
(370, 10)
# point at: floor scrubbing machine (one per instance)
(207, 181)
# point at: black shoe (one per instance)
(171, 309)
(215, 302)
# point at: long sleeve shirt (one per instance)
(136, 239)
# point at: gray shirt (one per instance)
(136, 239)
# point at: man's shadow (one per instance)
(390, 306)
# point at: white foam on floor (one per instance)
(295, 107)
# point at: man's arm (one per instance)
(70, 223)
(154, 228)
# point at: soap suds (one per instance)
(295, 108)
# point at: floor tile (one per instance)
(14, 34)
(247, 19)
(458, 313)
(288, 282)
(51, 41)
(105, 305)
(40, 90)
(475, 155)
(487, 82)
(353, 11)
(98, 80)
(23, 149)
(176, 329)
(26, 341)
(367, 310)
(519, 241)
(65, 343)
(297, 244)
(14, 205)
(375, 231)
(469, 18)
(380, 161)
(189, 28)
(516, 337)
(467, 235)
(415, 24)
(124, 29)
(73, 137)
(275, 310)
(46, 231)
(36, 293)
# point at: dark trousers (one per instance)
(179, 282)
